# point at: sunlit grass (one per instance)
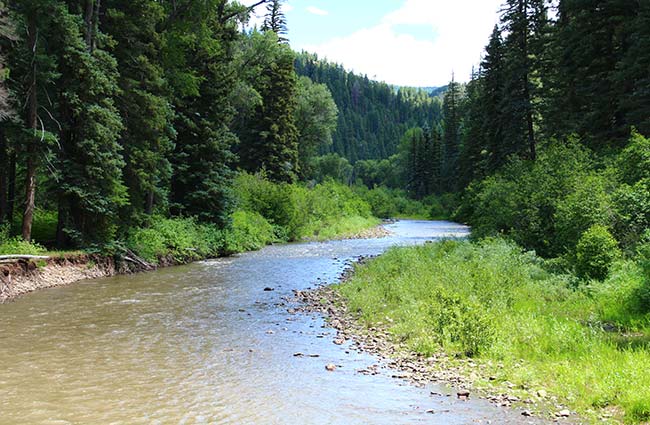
(490, 301)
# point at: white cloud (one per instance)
(316, 11)
(460, 31)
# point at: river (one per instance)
(205, 343)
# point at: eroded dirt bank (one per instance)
(23, 276)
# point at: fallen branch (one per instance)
(24, 257)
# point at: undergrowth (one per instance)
(586, 341)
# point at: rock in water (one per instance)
(330, 367)
(463, 394)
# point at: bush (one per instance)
(643, 292)
(249, 232)
(182, 238)
(16, 245)
(595, 253)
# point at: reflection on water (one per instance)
(204, 343)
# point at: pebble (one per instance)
(330, 367)
(563, 413)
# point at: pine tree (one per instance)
(633, 72)
(590, 41)
(523, 20)
(473, 156)
(451, 137)
(275, 21)
(7, 36)
(270, 140)
(143, 102)
(33, 67)
(90, 161)
(491, 100)
(198, 54)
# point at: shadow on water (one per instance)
(205, 343)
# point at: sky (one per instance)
(417, 43)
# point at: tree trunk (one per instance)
(4, 166)
(148, 209)
(88, 22)
(32, 123)
(61, 239)
(11, 189)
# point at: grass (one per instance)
(584, 342)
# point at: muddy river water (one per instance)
(205, 343)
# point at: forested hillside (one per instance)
(546, 154)
(373, 115)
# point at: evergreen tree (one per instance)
(270, 140)
(491, 101)
(472, 163)
(451, 137)
(7, 36)
(523, 21)
(633, 72)
(275, 21)
(590, 41)
(143, 102)
(90, 161)
(198, 54)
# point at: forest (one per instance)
(166, 128)
(121, 115)
(545, 152)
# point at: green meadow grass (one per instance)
(585, 342)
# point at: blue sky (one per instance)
(402, 42)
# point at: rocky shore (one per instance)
(468, 377)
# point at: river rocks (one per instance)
(419, 370)
(565, 413)
(527, 413)
(463, 394)
(269, 289)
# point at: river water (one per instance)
(205, 343)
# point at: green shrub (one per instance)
(595, 253)
(634, 161)
(589, 203)
(16, 245)
(460, 324)
(249, 232)
(643, 292)
(632, 212)
(184, 239)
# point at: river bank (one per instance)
(421, 370)
(25, 275)
(489, 319)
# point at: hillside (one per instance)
(373, 116)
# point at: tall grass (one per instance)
(582, 341)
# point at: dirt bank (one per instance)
(24, 276)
